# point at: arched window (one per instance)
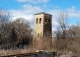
(45, 21)
(49, 21)
(40, 20)
(36, 20)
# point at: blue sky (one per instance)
(27, 9)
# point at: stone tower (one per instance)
(42, 25)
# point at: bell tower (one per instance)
(42, 25)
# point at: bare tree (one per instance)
(4, 17)
(69, 37)
(61, 33)
(22, 31)
(62, 21)
(14, 34)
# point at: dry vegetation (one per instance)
(42, 43)
(67, 38)
(14, 35)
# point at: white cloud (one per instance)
(26, 12)
(34, 1)
(21, 0)
(17, 14)
(73, 12)
(29, 9)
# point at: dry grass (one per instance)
(41, 44)
(17, 51)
